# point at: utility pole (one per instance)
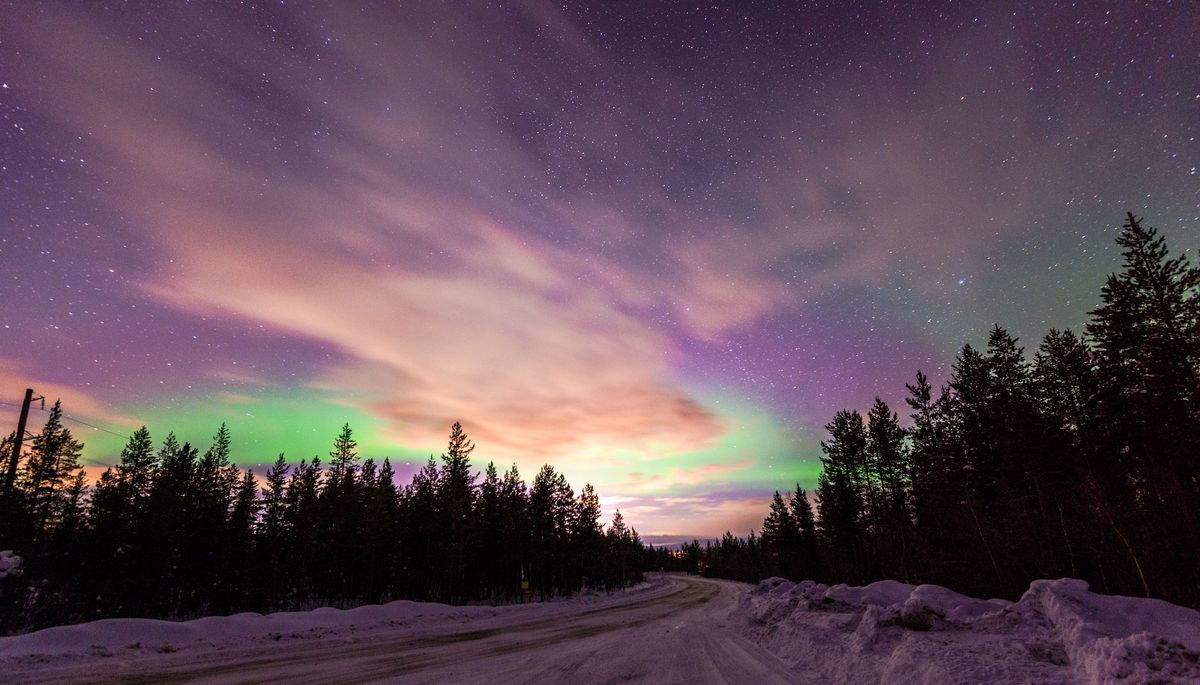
(11, 477)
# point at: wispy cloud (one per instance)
(664, 482)
(544, 236)
(15, 378)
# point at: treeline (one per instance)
(173, 533)
(1082, 462)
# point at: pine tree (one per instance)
(206, 557)
(170, 531)
(52, 464)
(273, 499)
(341, 503)
(622, 552)
(271, 534)
(235, 582)
(107, 516)
(514, 531)
(302, 522)
(841, 493)
(545, 528)
(1064, 386)
(1147, 331)
(587, 538)
(807, 559)
(885, 445)
(1147, 338)
(382, 536)
(1018, 440)
(780, 534)
(422, 545)
(343, 460)
(889, 458)
(488, 524)
(1065, 382)
(456, 500)
(136, 469)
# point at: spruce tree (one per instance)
(514, 532)
(807, 557)
(488, 525)
(271, 532)
(456, 500)
(341, 502)
(136, 468)
(779, 537)
(889, 457)
(1146, 334)
(587, 538)
(52, 465)
(840, 493)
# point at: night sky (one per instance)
(657, 245)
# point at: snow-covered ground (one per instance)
(671, 629)
(890, 632)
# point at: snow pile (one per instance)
(895, 632)
(142, 637)
(1111, 637)
(108, 636)
(9, 563)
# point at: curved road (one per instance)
(677, 636)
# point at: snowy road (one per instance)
(672, 629)
(676, 634)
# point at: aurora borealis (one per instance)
(657, 245)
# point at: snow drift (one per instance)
(888, 631)
(144, 637)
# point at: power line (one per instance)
(85, 423)
(72, 418)
(81, 422)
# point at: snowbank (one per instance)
(106, 636)
(894, 632)
(1110, 637)
(140, 637)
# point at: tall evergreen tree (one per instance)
(889, 458)
(806, 562)
(587, 538)
(780, 535)
(341, 503)
(422, 544)
(456, 500)
(343, 460)
(303, 526)
(488, 526)
(52, 465)
(271, 549)
(514, 531)
(841, 492)
(137, 466)
(382, 523)
(1147, 337)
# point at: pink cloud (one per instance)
(636, 482)
(15, 378)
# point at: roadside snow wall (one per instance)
(891, 632)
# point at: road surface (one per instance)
(676, 635)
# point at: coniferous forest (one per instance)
(173, 533)
(1080, 460)
(1083, 461)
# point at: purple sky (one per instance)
(654, 244)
